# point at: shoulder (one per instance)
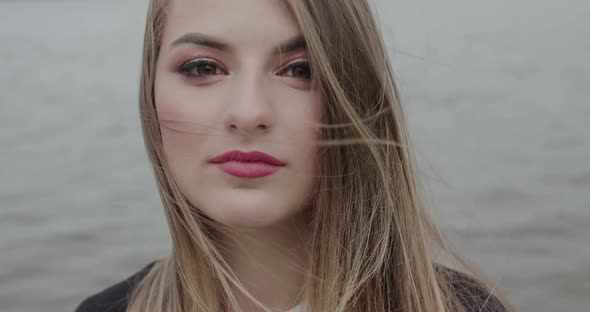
(472, 294)
(114, 298)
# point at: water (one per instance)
(497, 95)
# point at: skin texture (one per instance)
(249, 99)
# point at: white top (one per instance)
(298, 308)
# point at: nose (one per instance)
(250, 109)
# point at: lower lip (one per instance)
(248, 169)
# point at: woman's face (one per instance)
(233, 85)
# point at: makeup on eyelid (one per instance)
(187, 67)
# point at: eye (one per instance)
(299, 70)
(199, 68)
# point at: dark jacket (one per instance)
(115, 298)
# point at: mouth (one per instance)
(247, 164)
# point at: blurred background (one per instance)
(497, 94)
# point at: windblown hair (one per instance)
(371, 240)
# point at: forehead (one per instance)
(242, 22)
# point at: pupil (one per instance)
(301, 71)
(206, 69)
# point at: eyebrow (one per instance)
(202, 40)
(294, 44)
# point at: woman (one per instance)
(285, 188)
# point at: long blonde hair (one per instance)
(371, 240)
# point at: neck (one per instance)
(270, 263)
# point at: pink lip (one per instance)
(247, 164)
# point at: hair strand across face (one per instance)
(371, 239)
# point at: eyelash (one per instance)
(186, 68)
(296, 64)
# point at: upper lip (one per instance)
(254, 156)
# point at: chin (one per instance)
(247, 211)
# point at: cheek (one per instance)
(182, 131)
(303, 131)
(315, 136)
(177, 130)
(306, 126)
(184, 118)
(182, 108)
(180, 151)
